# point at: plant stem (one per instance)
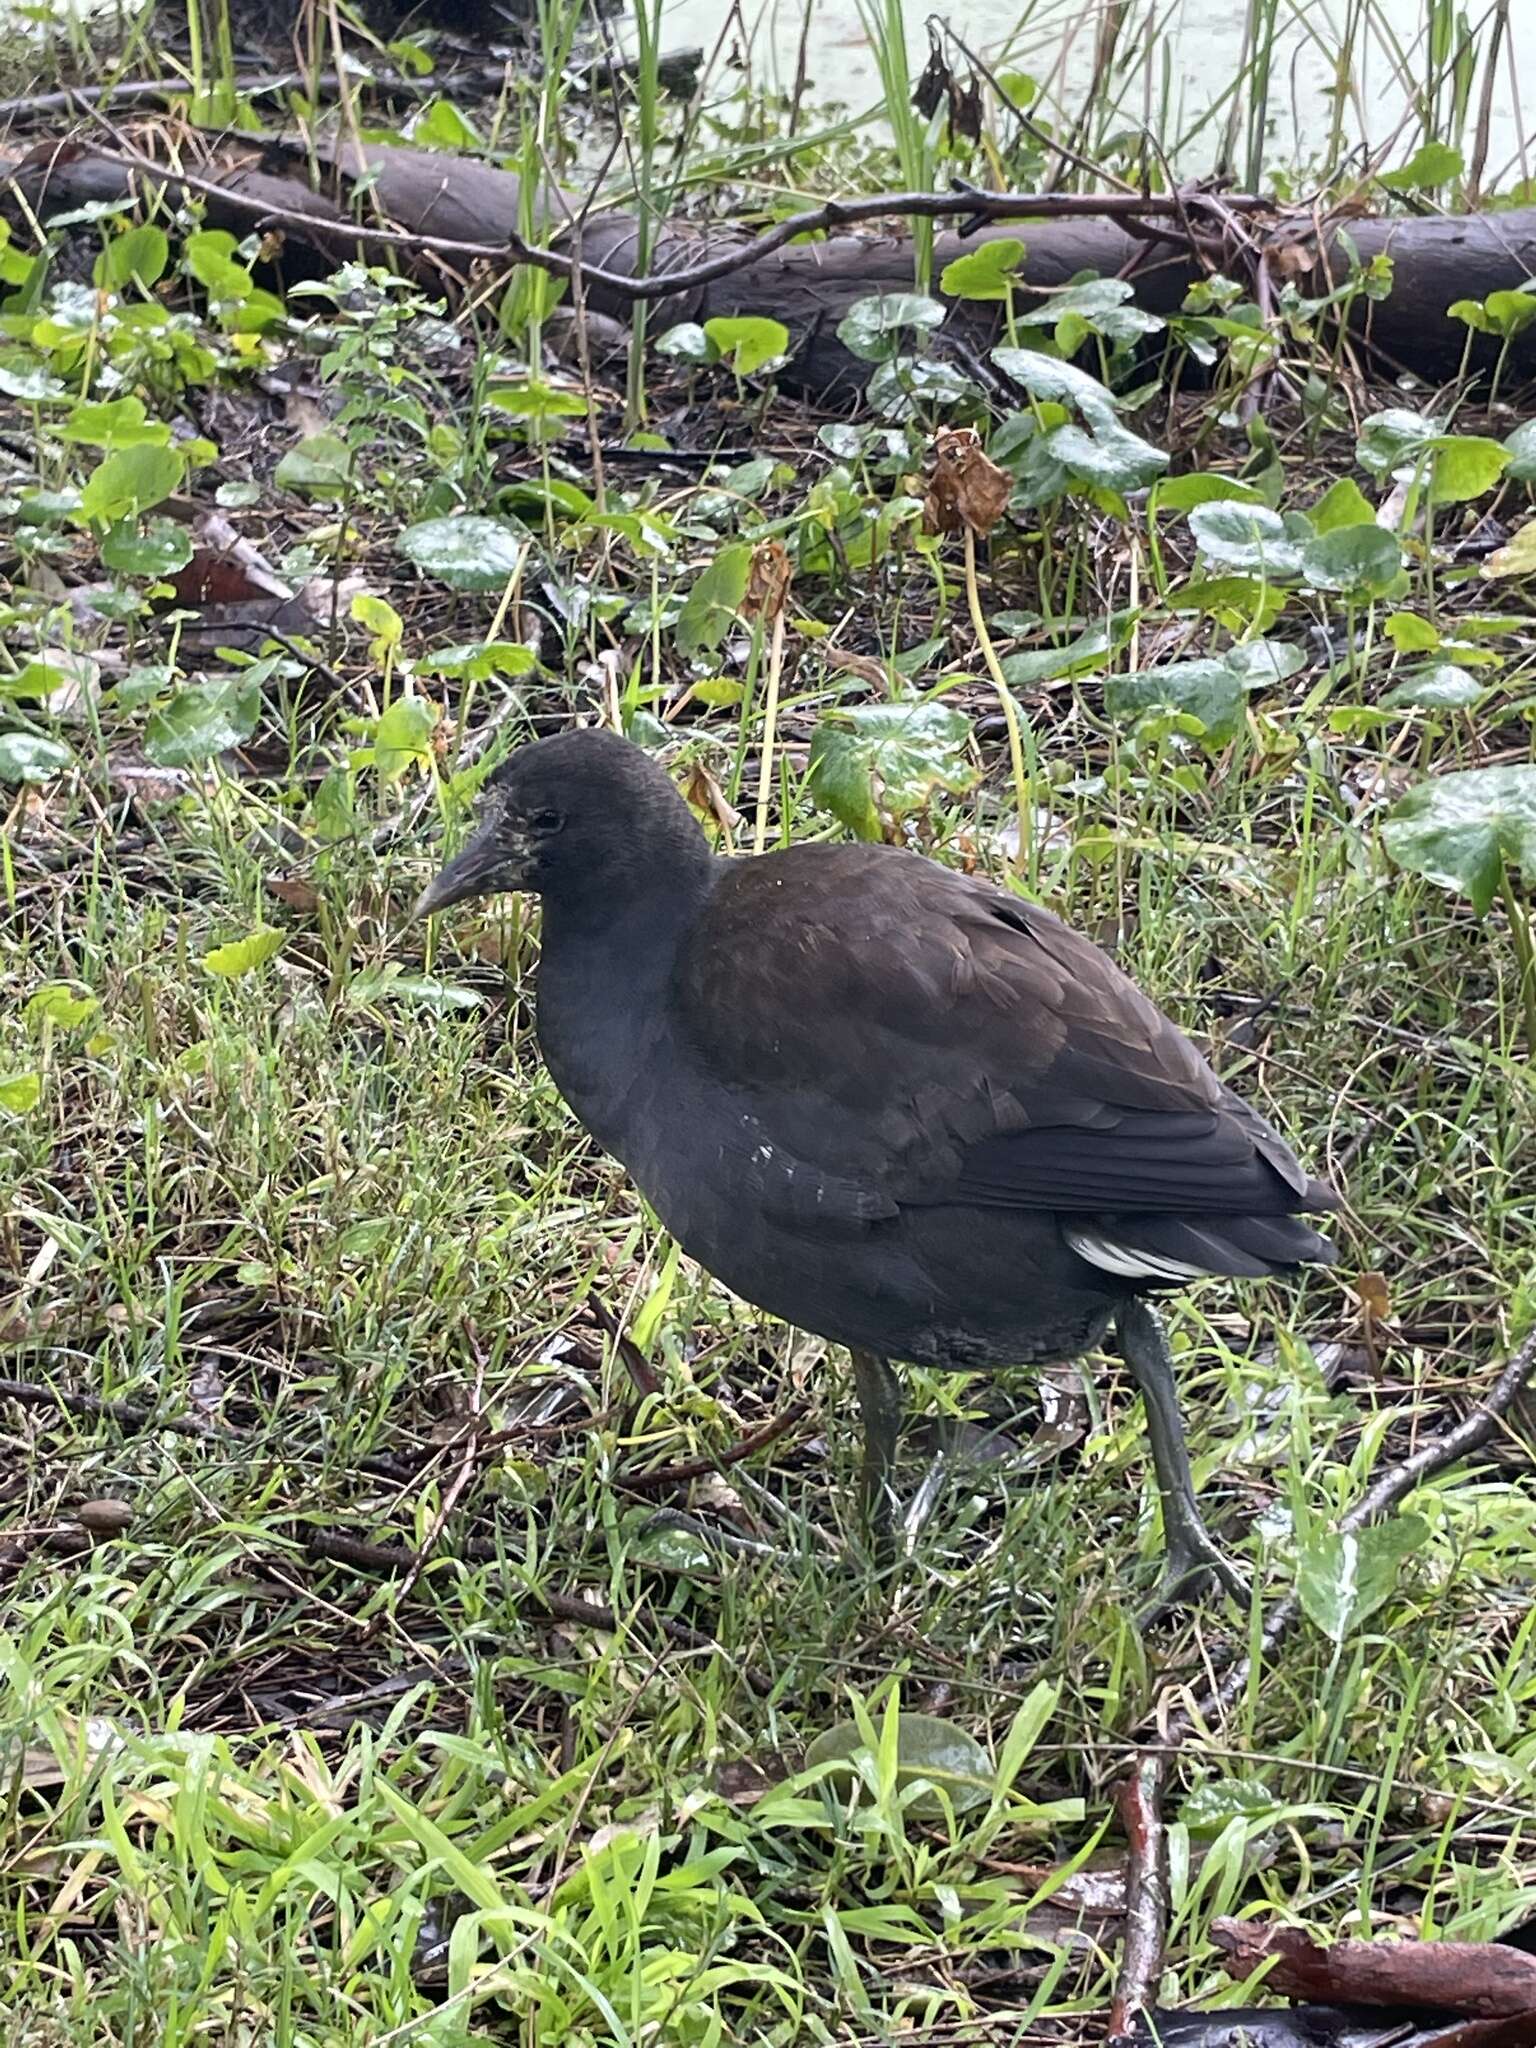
(1021, 779)
(1525, 952)
(770, 721)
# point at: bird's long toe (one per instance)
(1194, 1565)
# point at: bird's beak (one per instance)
(481, 867)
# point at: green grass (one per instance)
(330, 1215)
(251, 1792)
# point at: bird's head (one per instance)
(583, 815)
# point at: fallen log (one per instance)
(448, 214)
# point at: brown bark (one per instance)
(811, 285)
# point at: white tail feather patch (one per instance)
(1128, 1264)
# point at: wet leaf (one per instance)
(160, 549)
(203, 719)
(1108, 454)
(1360, 559)
(243, 956)
(28, 757)
(1044, 376)
(467, 552)
(477, 660)
(686, 343)
(386, 983)
(928, 1748)
(1521, 449)
(1199, 487)
(1440, 687)
(875, 761)
(1461, 831)
(1099, 305)
(1343, 1577)
(871, 329)
(900, 388)
(1246, 537)
(1208, 690)
(1077, 657)
(1394, 440)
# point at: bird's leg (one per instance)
(879, 1394)
(1192, 1556)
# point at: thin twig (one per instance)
(700, 1468)
(127, 1414)
(403, 1560)
(1140, 1799)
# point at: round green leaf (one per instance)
(1044, 376)
(1342, 504)
(711, 605)
(1464, 466)
(871, 329)
(1394, 439)
(936, 1751)
(59, 1004)
(160, 550)
(1106, 454)
(466, 551)
(1199, 487)
(130, 480)
(27, 757)
(870, 761)
(320, 467)
(203, 719)
(899, 388)
(476, 661)
(1211, 691)
(1245, 537)
(749, 341)
(1358, 559)
(138, 255)
(403, 735)
(1441, 687)
(1462, 831)
(986, 272)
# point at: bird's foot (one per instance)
(1194, 1563)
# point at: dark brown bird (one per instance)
(893, 1105)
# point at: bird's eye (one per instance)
(546, 821)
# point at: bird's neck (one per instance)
(605, 972)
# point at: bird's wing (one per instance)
(924, 1037)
